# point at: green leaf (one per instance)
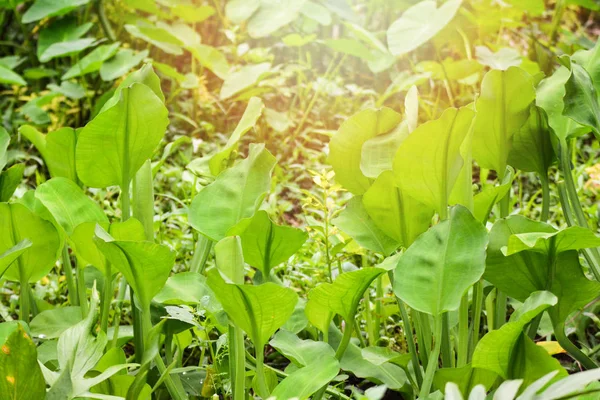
(245, 77)
(127, 133)
(419, 24)
(235, 194)
(298, 351)
(581, 99)
(93, 61)
(211, 58)
(351, 47)
(219, 161)
(63, 30)
(69, 206)
(502, 109)
(441, 265)
(532, 149)
(266, 244)
(525, 271)
(57, 148)
(237, 11)
(484, 201)
(50, 324)
(258, 310)
(512, 354)
(145, 265)
(21, 374)
(465, 377)
(10, 255)
(356, 222)
(145, 76)
(10, 77)
(187, 288)
(193, 13)
(80, 348)
(230, 259)
(65, 49)
(121, 64)
(377, 154)
(345, 147)
(4, 142)
(271, 16)
(549, 96)
(10, 180)
(50, 8)
(503, 59)
(340, 297)
(18, 223)
(304, 382)
(156, 36)
(429, 161)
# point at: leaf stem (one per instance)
(261, 381)
(410, 340)
(201, 253)
(81, 291)
(545, 199)
(565, 343)
(477, 310)
(237, 351)
(107, 297)
(68, 271)
(433, 358)
(463, 330)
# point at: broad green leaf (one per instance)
(19, 369)
(387, 373)
(211, 58)
(340, 297)
(65, 49)
(187, 288)
(532, 149)
(245, 77)
(304, 382)
(9, 77)
(50, 324)
(571, 238)
(145, 265)
(316, 12)
(93, 61)
(50, 8)
(266, 244)
(258, 310)
(82, 239)
(429, 161)
(356, 222)
(581, 99)
(377, 154)
(235, 194)
(271, 16)
(70, 90)
(230, 259)
(502, 109)
(10, 180)
(193, 13)
(156, 36)
(69, 206)
(419, 24)
(10, 255)
(220, 160)
(298, 351)
(411, 108)
(465, 377)
(127, 133)
(63, 30)
(57, 148)
(121, 64)
(18, 223)
(398, 215)
(350, 47)
(526, 271)
(441, 265)
(512, 354)
(381, 355)
(345, 147)
(503, 59)
(549, 96)
(484, 201)
(142, 202)
(238, 11)
(145, 76)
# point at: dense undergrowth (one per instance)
(299, 199)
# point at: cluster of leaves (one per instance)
(449, 282)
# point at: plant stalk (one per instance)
(433, 358)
